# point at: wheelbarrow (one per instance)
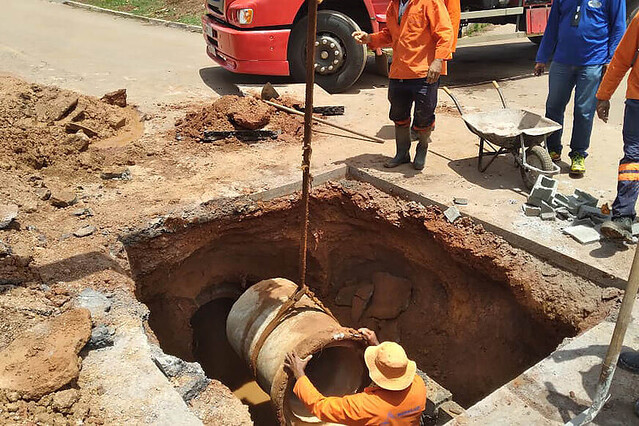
(519, 132)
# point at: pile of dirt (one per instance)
(239, 113)
(42, 125)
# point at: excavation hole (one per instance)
(470, 309)
(219, 361)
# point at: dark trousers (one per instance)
(628, 180)
(402, 94)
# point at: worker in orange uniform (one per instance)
(623, 208)
(397, 396)
(423, 37)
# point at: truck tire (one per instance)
(339, 59)
(536, 39)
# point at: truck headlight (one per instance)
(245, 16)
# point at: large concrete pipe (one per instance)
(337, 367)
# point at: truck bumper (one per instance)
(246, 52)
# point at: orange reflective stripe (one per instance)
(628, 176)
(403, 123)
(628, 167)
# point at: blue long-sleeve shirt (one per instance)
(593, 41)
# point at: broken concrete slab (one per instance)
(583, 234)
(102, 336)
(8, 212)
(189, 376)
(545, 188)
(460, 201)
(594, 213)
(534, 201)
(452, 214)
(585, 198)
(564, 213)
(546, 208)
(548, 216)
(635, 229)
(96, 302)
(45, 357)
(530, 210)
(117, 97)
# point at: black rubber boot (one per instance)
(629, 361)
(402, 142)
(637, 407)
(422, 150)
(618, 228)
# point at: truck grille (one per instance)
(216, 6)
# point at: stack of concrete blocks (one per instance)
(580, 208)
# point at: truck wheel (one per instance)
(536, 39)
(339, 59)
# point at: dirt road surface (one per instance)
(166, 73)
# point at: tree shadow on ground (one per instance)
(78, 266)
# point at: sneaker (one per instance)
(619, 228)
(555, 156)
(629, 361)
(578, 166)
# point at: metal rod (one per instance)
(612, 356)
(308, 133)
(319, 120)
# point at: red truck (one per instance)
(268, 37)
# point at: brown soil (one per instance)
(479, 313)
(236, 113)
(38, 126)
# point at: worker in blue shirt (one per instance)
(581, 36)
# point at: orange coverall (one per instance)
(374, 406)
(424, 34)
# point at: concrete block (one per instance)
(545, 188)
(564, 213)
(548, 216)
(534, 201)
(546, 208)
(530, 210)
(586, 198)
(583, 234)
(452, 214)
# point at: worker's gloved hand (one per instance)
(362, 37)
(603, 109)
(296, 364)
(434, 71)
(540, 68)
(370, 336)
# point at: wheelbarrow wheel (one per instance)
(538, 157)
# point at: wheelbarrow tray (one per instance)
(503, 127)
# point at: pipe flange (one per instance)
(329, 54)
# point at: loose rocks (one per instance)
(117, 97)
(63, 199)
(85, 231)
(121, 173)
(45, 357)
(96, 302)
(8, 212)
(101, 337)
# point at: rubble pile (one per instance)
(232, 112)
(581, 209)
(44, 125)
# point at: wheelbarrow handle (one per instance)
(501, 95)
(449, 93)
